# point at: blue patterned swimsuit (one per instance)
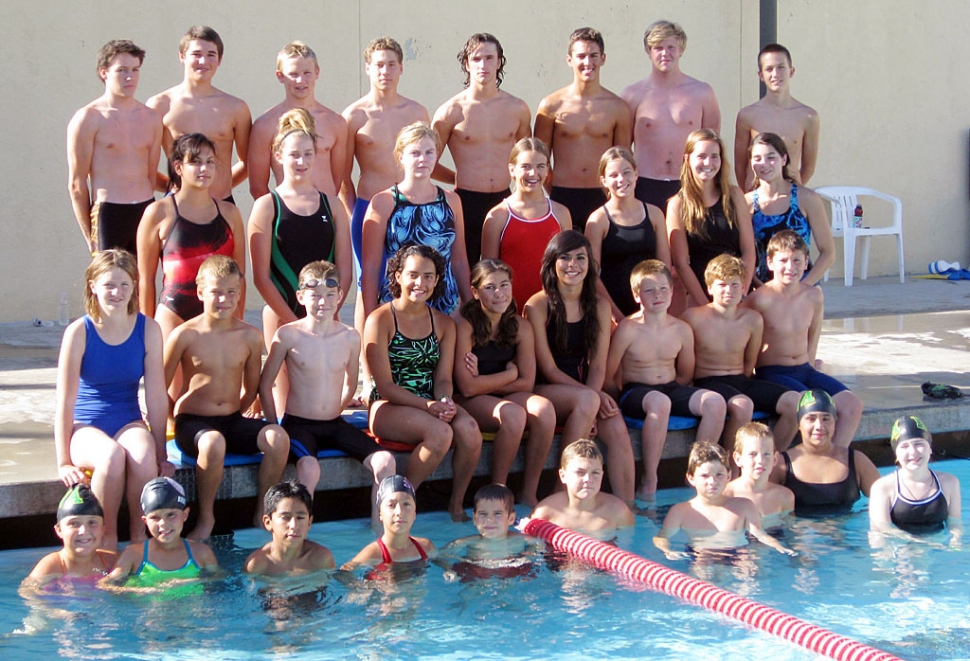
(431, 224)
(766, 226)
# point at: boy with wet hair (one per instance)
(287, 515)
(654, 352)
(298, 71)
(113, 146)
(480, 125)
(578, 123)
(727, 341)
(755, 454)
(80, 525)
(582, 506)
(220, 358)
(165, 556)
(666, 106)
(793, 313)
(196, 106)
(780, 113)
(322, 358)
(712, 520)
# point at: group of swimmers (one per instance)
(603, 302)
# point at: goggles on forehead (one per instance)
(313, 284)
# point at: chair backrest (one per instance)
(844, 200)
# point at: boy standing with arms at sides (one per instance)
(579, 123)
(792, 313)
(727, 341)
(582, 506)
(322, 358)
(754, 453)
(711, 519)
(220, 355)
(287, 515)
(114, 142)
(297, 69)
(666, 107)
(165, 556)
(655, 352)
(196, 106)
(480, 125)
(780, 113)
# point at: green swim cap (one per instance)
(162, 493)
(815, 401)
(79, 501)
(909, 428)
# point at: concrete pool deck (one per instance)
(881, 337)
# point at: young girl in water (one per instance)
(777, 203)
(398, 510)
(708, 217)
(495, 369)
(915, 498)
(409, 350)
(291, 227)
(623, 232)
(415, 211)
(518, 230)
(98, 426)
(572, 335)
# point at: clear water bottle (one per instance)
(63, 311)
(857, 216)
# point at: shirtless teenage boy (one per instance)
(195, 106)
(297, 69)
(793, 314)
(727, 341)
(480, 125)
(780, 113)
(115, 142)
(579, 123)
(666, 106)
(220, 358)
(373, 122)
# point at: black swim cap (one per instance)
(162, 493)
(815, 401)
(79, 501)
(393, 484)
(909, 428)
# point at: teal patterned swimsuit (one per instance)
(413, 361)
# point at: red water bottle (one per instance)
(857, 216)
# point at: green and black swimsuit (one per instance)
(413, 361)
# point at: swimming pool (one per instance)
(909, 599)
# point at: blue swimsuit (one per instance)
(766, 226)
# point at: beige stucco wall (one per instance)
(862, 65)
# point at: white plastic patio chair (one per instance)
(844, 200)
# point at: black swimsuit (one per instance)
(812, 498)
(919, 516)
(492, 358)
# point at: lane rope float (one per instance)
(674, 583)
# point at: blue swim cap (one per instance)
(393, 484)
(908, 428)
(815, 401)
(162, 493)
(79, 501)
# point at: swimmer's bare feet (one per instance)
(356, 403)
(203, 529)
(647, 491)
(458, 515)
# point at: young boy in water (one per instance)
(727, 341)
(80, 525)
(656, 353)
(754, 453)
(582, 507)
(396, 502)
(220, 358)
(287, 515)
(322, 357)
(792, 313)
(712, 520)
(165, 556)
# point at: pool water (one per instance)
(907, 598)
